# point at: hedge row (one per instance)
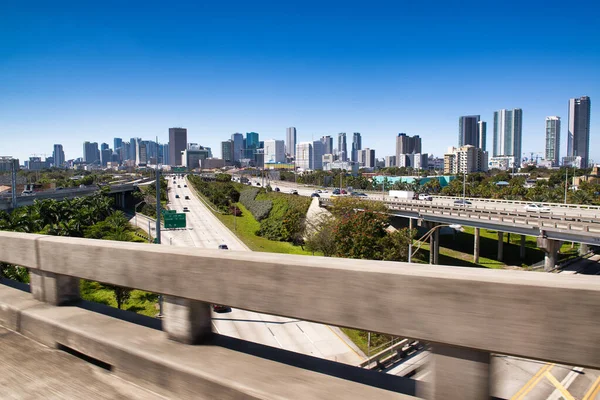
(260, 209)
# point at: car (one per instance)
(425, 196)
(176, 196)
(293, 191)
(59, 188)
(324, 191)
(257, 183)
(359, 194)
(179, 186)
(336, 191)
(277, 189)
(319, 191)
(462, 203)
(218, 308)
(538, 208)
(315, 195)
(185, 209)
(223, 247)
(184, 185)
(187, 197)
(343, 192)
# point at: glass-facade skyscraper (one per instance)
(356, 145)
(578, 140)
(508, 127)
(468, 130)
(552, 151)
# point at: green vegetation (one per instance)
(222, 194)
(361, 339)
(260, 209)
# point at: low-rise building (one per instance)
(465, 159)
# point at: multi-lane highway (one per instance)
(204, 230)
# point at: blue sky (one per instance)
(77, 71)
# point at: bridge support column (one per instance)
(476, 246)
(522, 248)
(551, 247)
(52, 288)
(436, 253)
(583, 248)
(500, 246)
(459, 373)
(186, 321)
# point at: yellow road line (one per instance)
(350, 347)
(560, 387)
(532, 382)
(593, 391)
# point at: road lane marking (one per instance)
(569, 379)
(343, 341)
(532, 382)
(593, 391)
(560, 387)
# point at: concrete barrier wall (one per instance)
(526, 314)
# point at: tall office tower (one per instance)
(552, 152)
(252, 143)
(406, 145)
(468, 133)
(90, 152)
(132, 148)
(290, 141)
(342, 147)
(227, 152)
(318, 152)
(238, 146)
(274, 151)
(142, 154)
(390, 161)
(104, 146)
(105, 155)
(177, 144)
(304, 156)
(118, 143)
(578, 140)
(328, 143)
(165, 154)
(482, 128)
(356, 145)
(369, 157)
(58, 155)
(508, 126)
(124, 152)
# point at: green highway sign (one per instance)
(169, 212)
(174, 220)
(178, 169)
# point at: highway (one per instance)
(206, 231)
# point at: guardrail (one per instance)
(466, 313)
(520, 202)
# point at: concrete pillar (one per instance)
(52, 288)
(431, 248)
(583, 249)
(522, 248)
(551, 248)
(186, 321)
(458, 374)
(476, 246)
(500, 245)
(436, 253)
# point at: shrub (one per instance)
(260, 209)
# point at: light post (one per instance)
(427, 235)
(464, 185)
(566, 182)
(135, 213)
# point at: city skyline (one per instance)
(88, 73)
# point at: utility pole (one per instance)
(566, 182)
(157, 201)
(464, 185)
(13, 170)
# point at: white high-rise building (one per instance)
(552, 152)
(304, 156)
(507, 133)
(290, 141)
(274, 151)
(465, 159)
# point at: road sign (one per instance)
(176, 220)
(178, 169)
(169, 212)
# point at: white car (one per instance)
(425, 196)
(538, 208)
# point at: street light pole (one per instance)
(464, 185)
(566, 182)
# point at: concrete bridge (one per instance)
(465, 314)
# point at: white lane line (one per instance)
(305, 334)
(571, 376)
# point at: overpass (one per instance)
(465, 314)
(27, 200)
(550, 229)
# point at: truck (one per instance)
(402, 194)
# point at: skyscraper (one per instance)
(118, 143)
(552, 152)
(104, 146)
(290, 141)
(578, 140)
(318, 151)
(507, 133)
(58, 155)
(133, 142)
(274, 151)
(356, 145)
(328, 144)
(304, 156)
(407, 145)
(238, 146)
(177, 144)
(252, 144)
(482, 127)
(227, 152)
(342, 147)
(468, 130)
(165, 154)
(91, 153)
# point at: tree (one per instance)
(321, 239)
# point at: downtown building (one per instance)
(177, 144)
(91, 153)
(342, 149)
(274, 151)
(465, 159)
(578, 139)
(227, 152)
(390, 161)
(58, 155)
(356, 146)
(408, 152)
(366, 158)
(506, 149)
(552, 150)
(290, 141)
